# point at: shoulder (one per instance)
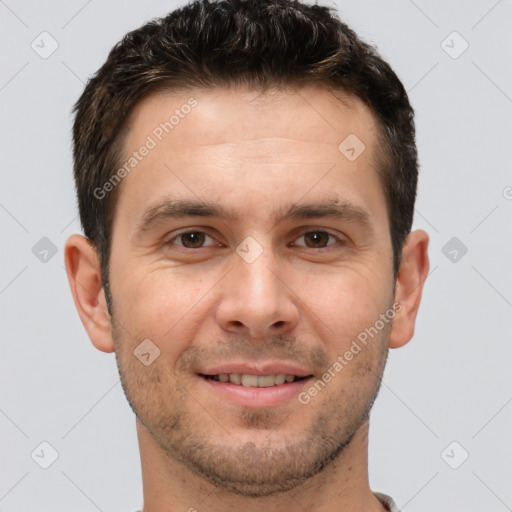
(387, 501)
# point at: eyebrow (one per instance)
(169, 208)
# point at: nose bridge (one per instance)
(257, 281)
(254, 299)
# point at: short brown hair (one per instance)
(261, 43)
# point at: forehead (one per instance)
(228, 144)
(233, 114)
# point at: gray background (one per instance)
(450, 383)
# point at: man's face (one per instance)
(279, 287)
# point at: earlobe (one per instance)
(409, 287)
(84, 276)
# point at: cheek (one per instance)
(347, 301)
(161, 305)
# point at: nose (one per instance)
(257, 300)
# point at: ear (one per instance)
(409, 287)
(84, 276)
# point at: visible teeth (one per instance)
(250, 380)
(235, 378)
(266, 381)
(263, 381)
(279, 379)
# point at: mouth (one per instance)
(256, 391)
(253, 384)
(255, 381)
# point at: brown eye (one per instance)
(316, 239)
(191, 239)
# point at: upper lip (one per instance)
(268, 368)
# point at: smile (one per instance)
(254, 391)
(254, 381)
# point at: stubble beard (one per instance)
(163, 406)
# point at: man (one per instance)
(246, 175)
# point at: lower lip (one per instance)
(257, 397)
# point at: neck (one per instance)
(342, 486)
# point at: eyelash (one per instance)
(171, 240)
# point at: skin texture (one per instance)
(303, 300)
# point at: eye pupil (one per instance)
(196, 239)
(317, 237)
